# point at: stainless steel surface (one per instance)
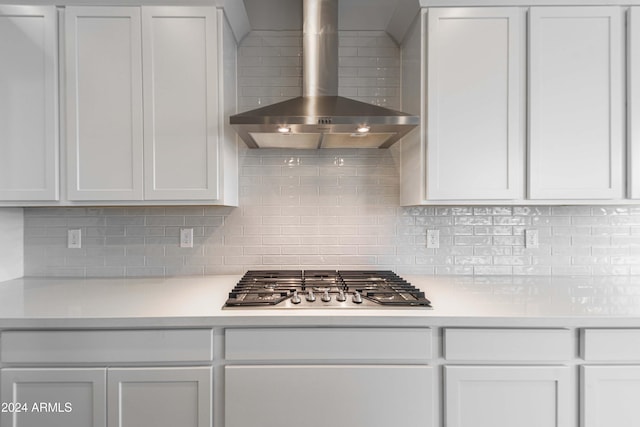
(336, 289)
(320, 47)
(320, 113)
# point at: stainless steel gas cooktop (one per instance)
(324, 289)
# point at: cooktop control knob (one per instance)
(341, 297)
(295, 298)
(326, 297)
(357, 298)
(311, 297)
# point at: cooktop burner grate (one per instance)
(324, 289)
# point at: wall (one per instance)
(11, 244)
(329, 209)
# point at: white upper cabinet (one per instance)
(633, 103)
(146, 105)
(576, 88)
(180, 103)
(104, 103)
(474, 103)
(28, 103)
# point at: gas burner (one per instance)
(324, 289)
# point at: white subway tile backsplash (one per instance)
(329, 208)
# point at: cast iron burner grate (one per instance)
(324, 289)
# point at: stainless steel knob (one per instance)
(357, 298)
(341, 297)
(310, 296)
(295, 298)
(326, 297)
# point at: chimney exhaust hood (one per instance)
(319, 118)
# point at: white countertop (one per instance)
(197, 302)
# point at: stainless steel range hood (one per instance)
(320, 118)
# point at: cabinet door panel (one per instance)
(576, 99)
(610, 396)
(181, 96)
(507, 396)
(28, 103)
(633, 102)
(160, 397)
(474, 106)
(104, 103)
(83, 389)
(329, 396)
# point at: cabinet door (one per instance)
(474, 101)
(160, 397)
(633, 102)
(507, 396)
(104, 103)
(62, 397)
(28, 103)
(576, 79)
(180, 103)
(610, 396)
(329, 396)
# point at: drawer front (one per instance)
(611, 345)
(110, 346)
(503, 345)
(395, 344)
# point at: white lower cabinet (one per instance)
(137, 378)
(610, 389)
(507, 396)
(610, 396)
(159, 397)
(53, 397)
(329, 396)
(329, 377)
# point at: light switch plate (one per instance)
(186, 237)
(74, 238)
(531, 238)
(433, 239)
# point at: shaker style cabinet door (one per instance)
(475, 104)
(63, 397)
(610, 396)
(160, 397)
(633, 102)
(507, 396)
(329, 396)
(576, 88)
(104, 103)
(180, 103)
(28, 103)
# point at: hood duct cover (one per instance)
(320, 118)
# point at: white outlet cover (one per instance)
(186, 237)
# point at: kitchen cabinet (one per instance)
(145, 115)
(70, 397)
(504, 396)
(104, 103)
(633, 102)
(138, 377)
(290, 375)
(506, 377)
(576, 103)
(159, 397)
(609, 389)
(28, 103)
(474, 97)
(495, 130)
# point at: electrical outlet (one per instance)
(74, 239)
(186, 237)
(531, 238)
(433, 239)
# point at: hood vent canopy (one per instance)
(320, 118)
